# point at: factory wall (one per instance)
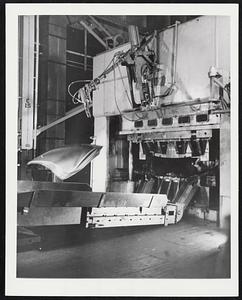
(52, 81)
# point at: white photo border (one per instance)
(111, 287)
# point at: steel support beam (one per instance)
(93, 34)
(100, 26)
(68, 115)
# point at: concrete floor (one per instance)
(192, 248)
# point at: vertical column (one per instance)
(26, 94)
(27, 83)
(130, 161)
(99, 180)
(225, 171)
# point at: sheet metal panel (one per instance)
(126, 200)
(66, 198)
(104, 97)
(24, 186)
(202, 43)
(66, 161)
(40, 216)
(158, 201)
(70, 198)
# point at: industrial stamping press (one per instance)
(161, 107)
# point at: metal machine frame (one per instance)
(151, 122)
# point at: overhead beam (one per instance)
(100, 26)
(93, 34)
(118, 25)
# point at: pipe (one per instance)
(85, 50)
(134, 36)
(157, 43)
(175, 53)
(36, 80)
(78, 54)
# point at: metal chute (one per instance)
(66, 161)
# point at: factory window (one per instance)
(202, 118)
(183, 119)
(138, 124)
(167, 121)
(152, 122)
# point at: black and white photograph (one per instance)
(123, 177)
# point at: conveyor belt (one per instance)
(47, 204)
